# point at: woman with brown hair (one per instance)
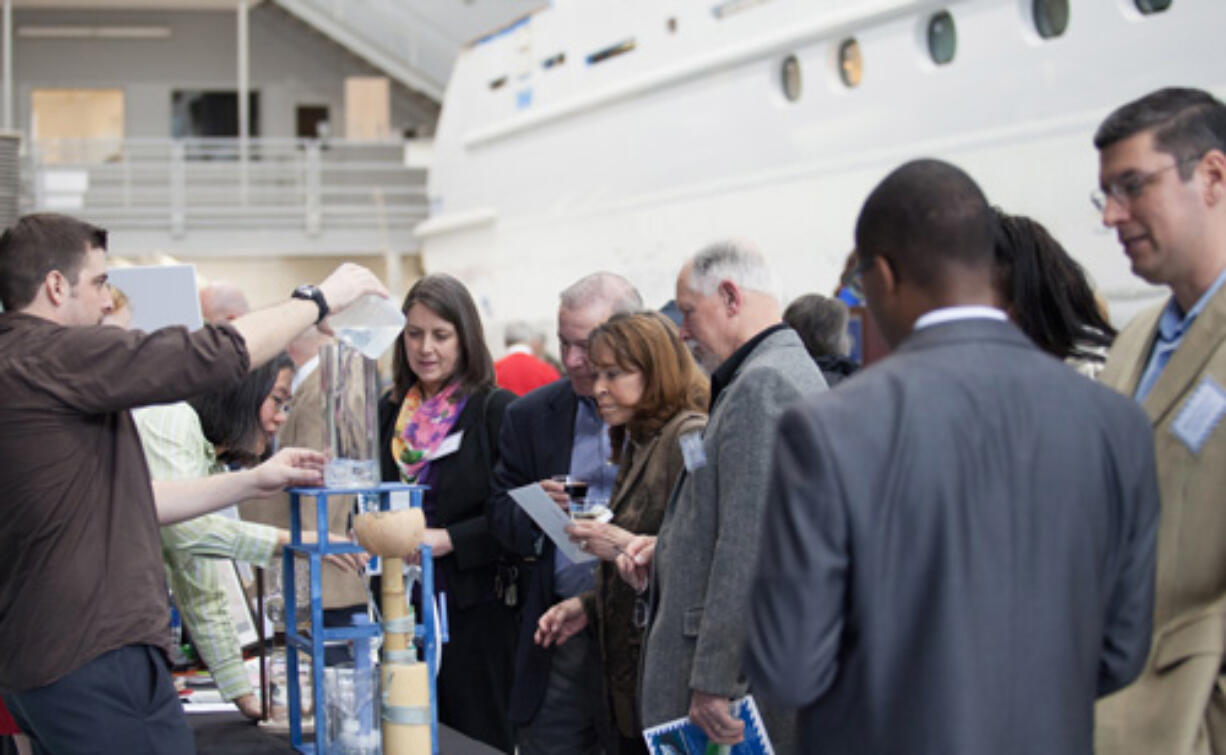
(654, 398)
(439, 427)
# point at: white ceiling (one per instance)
(129, 4)
(415, 41)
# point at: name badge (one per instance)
(1200, 415)
(450, 445)
(692, 454)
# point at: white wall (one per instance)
(290, 65)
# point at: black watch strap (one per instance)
(313, 294)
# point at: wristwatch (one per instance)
(312, 293)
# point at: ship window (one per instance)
(1051, 17)
(851, 64)
(553, 60)
(942, 38)
(1152, 6)
(789, 78)
(612, 51)
(498, 83)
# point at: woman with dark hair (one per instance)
(1047, 295)
(233, 426)
(654, 398)
(439, 427)
(240, 436)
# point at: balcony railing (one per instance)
(180, 186)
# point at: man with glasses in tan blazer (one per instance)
(1162, 171)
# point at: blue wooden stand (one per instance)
(314, 643)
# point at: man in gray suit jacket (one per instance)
(959, 542)
(708, 542)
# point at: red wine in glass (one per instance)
(575, 489)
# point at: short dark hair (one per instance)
(1186, 123)
(450, 300)
(821, 323)
(230, 416)
(923, 217)
(1047, 292)
(37, 244)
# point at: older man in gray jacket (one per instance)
(708, 543)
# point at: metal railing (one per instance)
(184, 185)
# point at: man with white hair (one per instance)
(708, 543)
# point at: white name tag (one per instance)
(1200, 415)
(692, 454)
(450, 445)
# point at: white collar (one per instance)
(949, 314)
(302, 373)
(519, 348)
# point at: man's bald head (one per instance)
(222, 302)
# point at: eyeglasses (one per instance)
(1131, 185)
(282, 404)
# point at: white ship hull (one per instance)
(633, 163)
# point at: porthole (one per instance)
(1152, 6)
(942, 38)
(1050, 17)
(789, 78)
(851, 63)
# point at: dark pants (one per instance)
(474, 683)
(566, 723)
(122, 701)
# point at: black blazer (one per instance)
(535, 444)
(460, 487)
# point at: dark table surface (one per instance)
(231, 734)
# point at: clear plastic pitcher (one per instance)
(350, 386)
(370, 325)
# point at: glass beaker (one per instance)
(350, 385)
(352, 699)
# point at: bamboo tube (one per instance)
(393, 535)
(406, 686)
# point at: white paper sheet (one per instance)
(550, 518)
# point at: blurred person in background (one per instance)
(121, 309)
(821, 324)
(521, 371)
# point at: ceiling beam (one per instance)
(391, 64)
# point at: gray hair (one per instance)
(734, 260)
(518, 332)
(602, 288)
(821, 323)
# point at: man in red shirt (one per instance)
(520, 371)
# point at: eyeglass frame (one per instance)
(1129, 188)
(854, 278)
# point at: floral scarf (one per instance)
(421, 427)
